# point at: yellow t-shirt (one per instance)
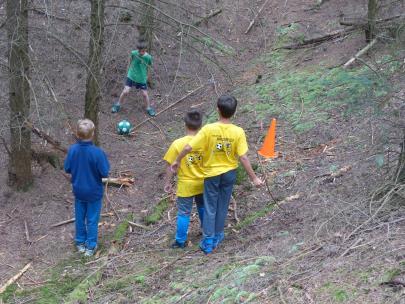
(222, 144)
(190, 177)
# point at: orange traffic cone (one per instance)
(267, 150)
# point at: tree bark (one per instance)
(93, 84)
(400, 174)
(19, 171)
(147, 22)
(371, 20)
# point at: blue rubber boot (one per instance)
(206, 245)
(219, 237)
(183, 222)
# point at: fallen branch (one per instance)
(119, 181)
(56, 144)
(138, 225)
(318, 40)
(73, 219)
(336, 174)
(170, 106)
(255, 17)
(212, 14)
(14, 278)
(363, 23)
(27, 233)
(360, 53)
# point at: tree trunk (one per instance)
(93, 84)
(400, 174)
(19, 171)
(147, 22)
(371, 20)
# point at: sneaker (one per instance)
(179, 245)
(151, 111)
(90, 252)
(81, 248)
(115, 108)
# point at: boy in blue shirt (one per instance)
(87, 164)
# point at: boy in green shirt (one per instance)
(138, 72)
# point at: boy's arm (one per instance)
(249, 170)
(175, 165)
(129, 62)
(168, 179)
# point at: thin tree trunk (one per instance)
(147, 22)
(19, 171)
(371, 20)
(93, 84)
(400, 174)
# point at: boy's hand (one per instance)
(258, 182)
(175, 166)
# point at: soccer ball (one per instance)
(219, 146)
(124, 127)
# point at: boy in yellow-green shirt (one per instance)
(224, 145)
(190, 182)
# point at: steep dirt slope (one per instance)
(325, 242)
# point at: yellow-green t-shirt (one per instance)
(222, 144)
(190, 177)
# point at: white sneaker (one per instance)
(81, 248)
(90, 252)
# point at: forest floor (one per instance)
(326, 230)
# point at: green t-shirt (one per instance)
(138, 69)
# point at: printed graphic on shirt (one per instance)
(194, 159)
(223, 145)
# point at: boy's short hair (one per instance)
(141, 45)
(85, 129)
(227, 105)
(193, 120)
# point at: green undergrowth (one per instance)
(307, 98)
(65, 282)
(251, 217)
(121, 230)
(157, 211)
(227, 284)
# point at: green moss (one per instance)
(9, 293)
(121, 230)
(157, 211)
(250, 218)
(305, 98)
(389, 275)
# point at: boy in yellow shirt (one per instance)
(223, 145)
(190, 182)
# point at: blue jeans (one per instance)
(184, 208)
(87, 215)
(217, 194)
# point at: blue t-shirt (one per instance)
(87, 164)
